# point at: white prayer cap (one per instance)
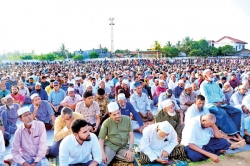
(125, 82)
(188, 86)
(78, 78)
(38, 83)
(121, 96)
(205, 71)
(165, 127)
(161, 81)
(242, 87)
(112, 107)
(166, 103)
(22, 110)
(180, 82)
(71, 89)
(88, 85)
(33, 96)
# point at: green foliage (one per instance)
(93, 55)
(78, 57)
(14, 57)
(196, 52)
(227, 50)
(213, 51)
(170, 51)
(122, 51)
(195, 45)
(156, 45)
(63, 51)
(26, 57)
(186, 45)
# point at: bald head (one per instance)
(208, 120)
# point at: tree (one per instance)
(178, 44)
(63, 51)
(227, 50)
(26, 57)
(170, 51)
(186, 45)
(213, 51)
(196, 52)
(169, 44)
(93, 55)
(195, 45)
(156, 45)
(203, 44)
(78, 57)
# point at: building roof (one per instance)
(233, 39)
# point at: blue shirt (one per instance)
(247, 124)
(8, 85)
(115, 80)
(4, 93)
(212, 93)
(65, 87)
(42, 94)
(56, 97)
(177, 91)
(44, 111)
(140, 103)
(130, 109)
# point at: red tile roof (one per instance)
(233, 39)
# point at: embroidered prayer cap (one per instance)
(22, 110)
(112, 107)
(33, 96)
(121, 96)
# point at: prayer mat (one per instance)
(54, 161)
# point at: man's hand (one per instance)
(143, 115)
(104, 158)
(93, 163)
(214, 158)
(91, 129)
(68, 122)
(150, 113)
(140, 129)
(129, 155)
(26, 164)
(52, 128)
(35, 107)
(164, 154)
(161, 161)
(95, 129)
(56, 108)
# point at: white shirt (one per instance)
(153, 87)
(192, 112)
(71, 81)
(2, 147)
(194, 133)
(172, 85)
(164, 97)
(72, 100)
(25, 91)
(246, 100)
(71, 152)
(153, 147)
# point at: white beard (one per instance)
(172, 114)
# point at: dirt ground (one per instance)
(236, 159)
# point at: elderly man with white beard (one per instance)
(169, 114)
(158, 143)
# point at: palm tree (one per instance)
(178, 44)
(63, 51)
(169, 44)
(186, 45)
(157, 45)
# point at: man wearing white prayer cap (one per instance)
(187, 97)
(158, 142)
(178, 89)
(29, 143)
(127, 109)
(115, 132)
(169, 114)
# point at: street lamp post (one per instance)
(111, 19)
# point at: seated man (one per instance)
(3, 91)
(42, 93)
(228, 91)
(187, 97)
(178, 90)
(65, 84)
(237, 97)
(168, 114)
(246, 125)
(141, 103)
(50, 87)
(62, 129)
(9, 114)
(114, 135)
(23, 90)
(30, 85)
(86, 150)
(228, 118)
(29, 143)
(161, 88)
(203, 139)
(124, 86)
(71, 100)
(42, 111)
(157, 143)
(56, 97)
(103, 102)
(90, 111)
(78, 86)
(196, 109)
(127, 109)
(18, 98)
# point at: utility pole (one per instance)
(112, 37)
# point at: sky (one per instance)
(43, 25)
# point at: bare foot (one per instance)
(223, 152)
(239, 137)
(233, 138)
(237, 145)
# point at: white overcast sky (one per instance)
(42, 25)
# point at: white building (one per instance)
(226, 40)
